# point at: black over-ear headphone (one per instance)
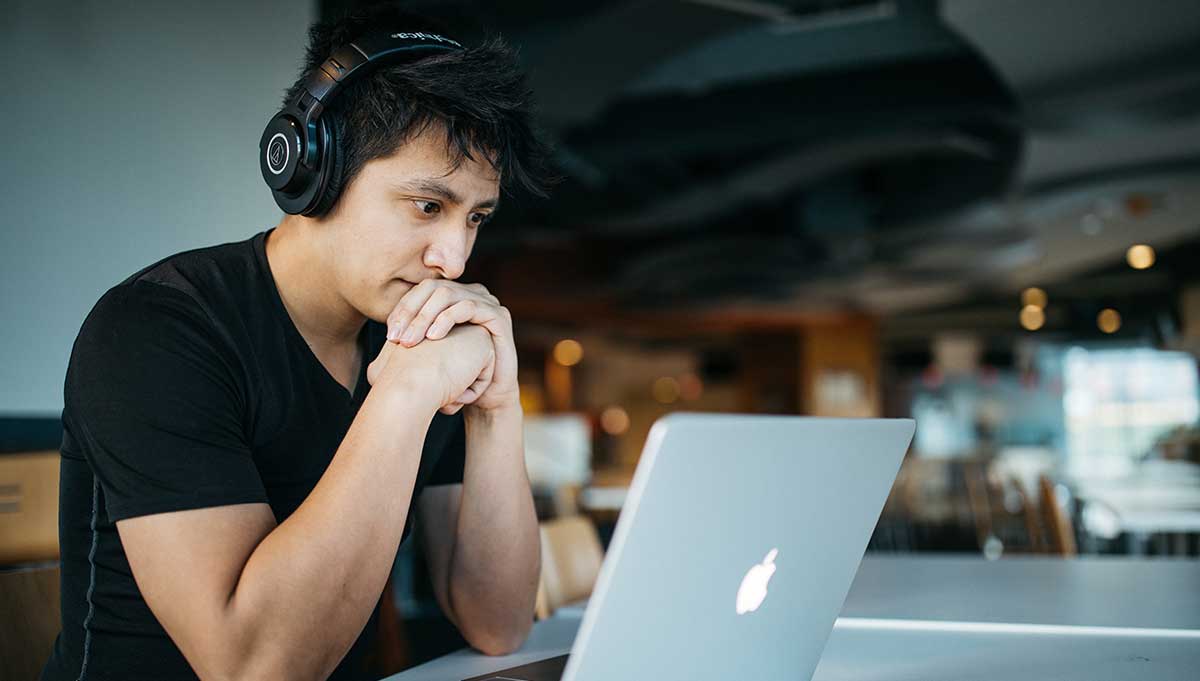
(299, 154)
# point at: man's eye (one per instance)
(478, 219)
(427, 207)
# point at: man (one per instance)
(250, 428)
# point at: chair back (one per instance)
(571, 558)
(29, 600)
(1060, 531)
(28, 507)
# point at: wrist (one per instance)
(506, 413)
(409, 392)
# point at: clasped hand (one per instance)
(470, 368)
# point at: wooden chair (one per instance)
(565, 500)
(28, 507)
(1003, 512)
(981, 502)
(391, 653)
(30, 620)
(1031, 516)
(571, 557)
(1060, 531)
(30, 596)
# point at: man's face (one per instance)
(406, 218)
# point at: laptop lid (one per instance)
(736, 546)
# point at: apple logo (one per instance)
(753, 590)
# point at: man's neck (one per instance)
(323, 317)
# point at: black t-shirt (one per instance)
(189, 387)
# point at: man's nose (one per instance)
(447, 253)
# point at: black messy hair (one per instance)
(478, 96)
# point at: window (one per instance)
(1117, 402)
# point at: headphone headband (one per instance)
(364, 54)
(296, 147)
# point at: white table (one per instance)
(1092, 591)
(1160, 497)
(925, 619)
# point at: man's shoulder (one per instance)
(213, 278)
(202, 270)
(202, 287)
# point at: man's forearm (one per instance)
(310, 586)
(496, 561)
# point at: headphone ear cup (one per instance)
(333, 161)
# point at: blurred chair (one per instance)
(1031, 516)
(978, 492)
(391, 653)
(30, 620)
(1060, 530)
(565, 500)
(28, 507)
(571, 557)
(1006, 519)
(893, 532)
(30, 585)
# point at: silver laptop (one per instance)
(735, 549)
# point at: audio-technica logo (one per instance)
(277, 154)
(426, 36)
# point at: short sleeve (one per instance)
(453, 457)
(151, 397)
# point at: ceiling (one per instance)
(902, 158)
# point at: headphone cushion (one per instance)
(333, 162)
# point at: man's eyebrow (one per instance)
(440, 190)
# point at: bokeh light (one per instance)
(665, 390)
(1109, 320)
(1032, 318)
(1140, 256)
(568, 352)
(614, 420)
(1034, 296)
(690, 387)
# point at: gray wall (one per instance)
(130, 133)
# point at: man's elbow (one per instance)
(499, 640)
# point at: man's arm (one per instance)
(483, 546)
(481, 537)
(245, 599)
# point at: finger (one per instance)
(481, 383)
(479, 387)
(482, 291)
(495, 318)
(498, 321)
(408, 307)
(459, 313)
(441, 299)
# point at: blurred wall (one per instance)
(130, 133)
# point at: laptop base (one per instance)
(550, 669)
